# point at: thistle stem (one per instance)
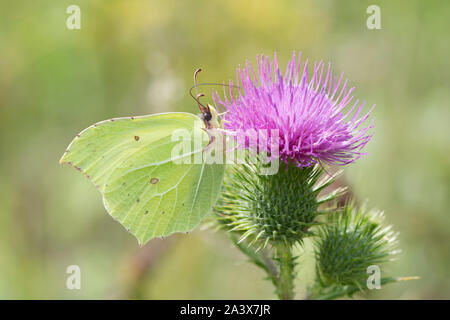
(285, 289)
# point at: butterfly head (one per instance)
(212, 117)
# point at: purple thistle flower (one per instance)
(308, 113)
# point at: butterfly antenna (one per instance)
(198, 95)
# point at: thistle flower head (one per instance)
(307, 111)
(349, 244)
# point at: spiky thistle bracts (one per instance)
(349, 243)
(278, 208)
(309, 113)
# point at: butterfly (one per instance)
(146, 186)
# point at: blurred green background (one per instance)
(137, 57)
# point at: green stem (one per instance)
(283, 278)
(285, 289)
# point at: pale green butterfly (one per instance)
(131, 162)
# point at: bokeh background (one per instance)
(137, 57)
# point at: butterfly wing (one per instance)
(147, 188)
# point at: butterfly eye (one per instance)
(207, 116)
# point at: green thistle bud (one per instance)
(272, 208)
(349, 244)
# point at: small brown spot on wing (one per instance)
(136, 138)
(154, 180)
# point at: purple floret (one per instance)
(309, 114)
